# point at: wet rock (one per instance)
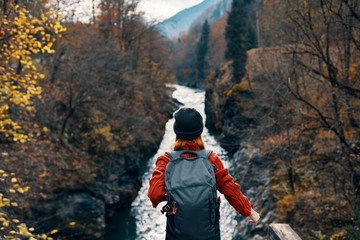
(252, 171)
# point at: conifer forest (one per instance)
(84, 102)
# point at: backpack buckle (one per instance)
(174, 208)
(169, 209)
(165, 209)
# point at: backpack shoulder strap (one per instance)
(174, 155)
(200, 153)
(203, 153)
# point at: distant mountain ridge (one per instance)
(214, 12)
(180, 23)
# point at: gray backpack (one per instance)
(193, 207)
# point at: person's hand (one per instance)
(254, 217)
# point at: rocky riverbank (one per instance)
(253, 173)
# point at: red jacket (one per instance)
(224, 182)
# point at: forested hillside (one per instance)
(186, 53)
(83, 105)
(296, 104)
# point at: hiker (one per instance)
(189, 186)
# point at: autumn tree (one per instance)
(103, 77)
(316, 87)
(23, 37)
(185, 58)
(217, 44)
(116, 19)
(27, 34)
(327, 52)
(103, 103)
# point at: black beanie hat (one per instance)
(188, 123)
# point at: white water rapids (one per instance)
(143, 222)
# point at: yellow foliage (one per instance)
(5, 213)
(20, 190)
(19, 43)
(240, 87)
(339, 235)
(287, 203)
(23, 230)
(106, 132)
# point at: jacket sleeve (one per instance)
(157, 189)
(226, 185)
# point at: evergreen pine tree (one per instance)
(201, 52)
(240, 37)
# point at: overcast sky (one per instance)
(162, 9)
(154, 10)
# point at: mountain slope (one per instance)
(214, 12)
(179, 23)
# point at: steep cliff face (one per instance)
(215, 86)
(228, 108)
(233, 113)
(253, 172)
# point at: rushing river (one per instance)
(142, 221)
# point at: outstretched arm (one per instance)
(232, 191)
